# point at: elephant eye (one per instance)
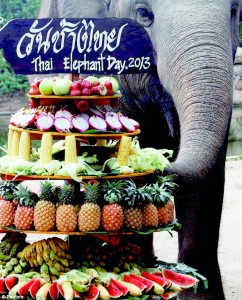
(144, 15)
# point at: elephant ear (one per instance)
(74, 8)
(236, 18)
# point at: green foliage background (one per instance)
(14, 9)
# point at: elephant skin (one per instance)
(187, 102)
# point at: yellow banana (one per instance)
(44, 244)
(39, 248)
(61, 243)
(64, 262)
(39, 259)
(27, 252)
(52, 244)
(57, 266)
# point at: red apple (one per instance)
(86, 84)
(34, 89)
(99, 90)
(86, 92)
(75, 89)
(82, 105)
(33, 103)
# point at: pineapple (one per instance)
(150, 212)
(112, 213)
(133, 216)
(89, 217)
(7, 204)
(166, 209)
(66, 216)
(24, 215)
(44, 212)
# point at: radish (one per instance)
(63, 113)
(80, 123)
(126, 123)
(45, 121)
(98, 123)
(113, 121)
(62, 124)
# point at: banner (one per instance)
(97, 46)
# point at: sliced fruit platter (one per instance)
(46, 269)
(108, 207)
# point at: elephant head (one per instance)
(194, 42)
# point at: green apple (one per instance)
(94, 80)
(46, 86)
(62, 86)
(114, 81)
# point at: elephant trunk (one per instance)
(200, 82)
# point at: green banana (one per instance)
(14, 261)
(53, 271)
(23, 263)
(14, 249)
(44, 268)
(18, 269)
(2, 256)
(79, 287)
(64, 262)
(52, 254)
(9, 266)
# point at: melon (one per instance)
(148, 283)
(113, 291)
(134, 281)
(23, 290)
(34, 288)
(92, 293)
(158, 279)
(53, 292)
(10, 282)
(2, 286)
(120, 286)
(183, 280)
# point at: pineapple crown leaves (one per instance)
(160, 195)
(66, 194)
(167, 182)
(113, 191)
(25, 197)
(48, 191)
(92, 191)
(133, 195)
(7, 190)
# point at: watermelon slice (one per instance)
(53, 292)
(10, 282)
(34, 288)
(134, 281)
(113, 291)
(23, 290)
(183, 280)
(92, 293)
(169, 295)
(158, 279)
(2, 286)
(120, 286)
(148, 283)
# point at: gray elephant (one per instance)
(187, 102)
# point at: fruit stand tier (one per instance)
(46, 100)
(37, 135)
(16, 177)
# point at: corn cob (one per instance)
(43, 291)
(123, 151)
(101, 142)
(24, 146)
(46, 148)
(70, 149)
(68, 290)
(15, 143)
(10, 141)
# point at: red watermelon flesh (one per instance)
(34, 288)
(23, 290)
(2, 286)
(113, 291)
(120, 286)
(169, 295)
(60, 292)
(134, 281)
(77, 295)
(53, 292)
(148, 283)
(10, 282)
(158, 279)
(92, 293)
(183, 280)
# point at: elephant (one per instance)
(187, 102)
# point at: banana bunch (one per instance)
(52, 255)
(10, 246)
